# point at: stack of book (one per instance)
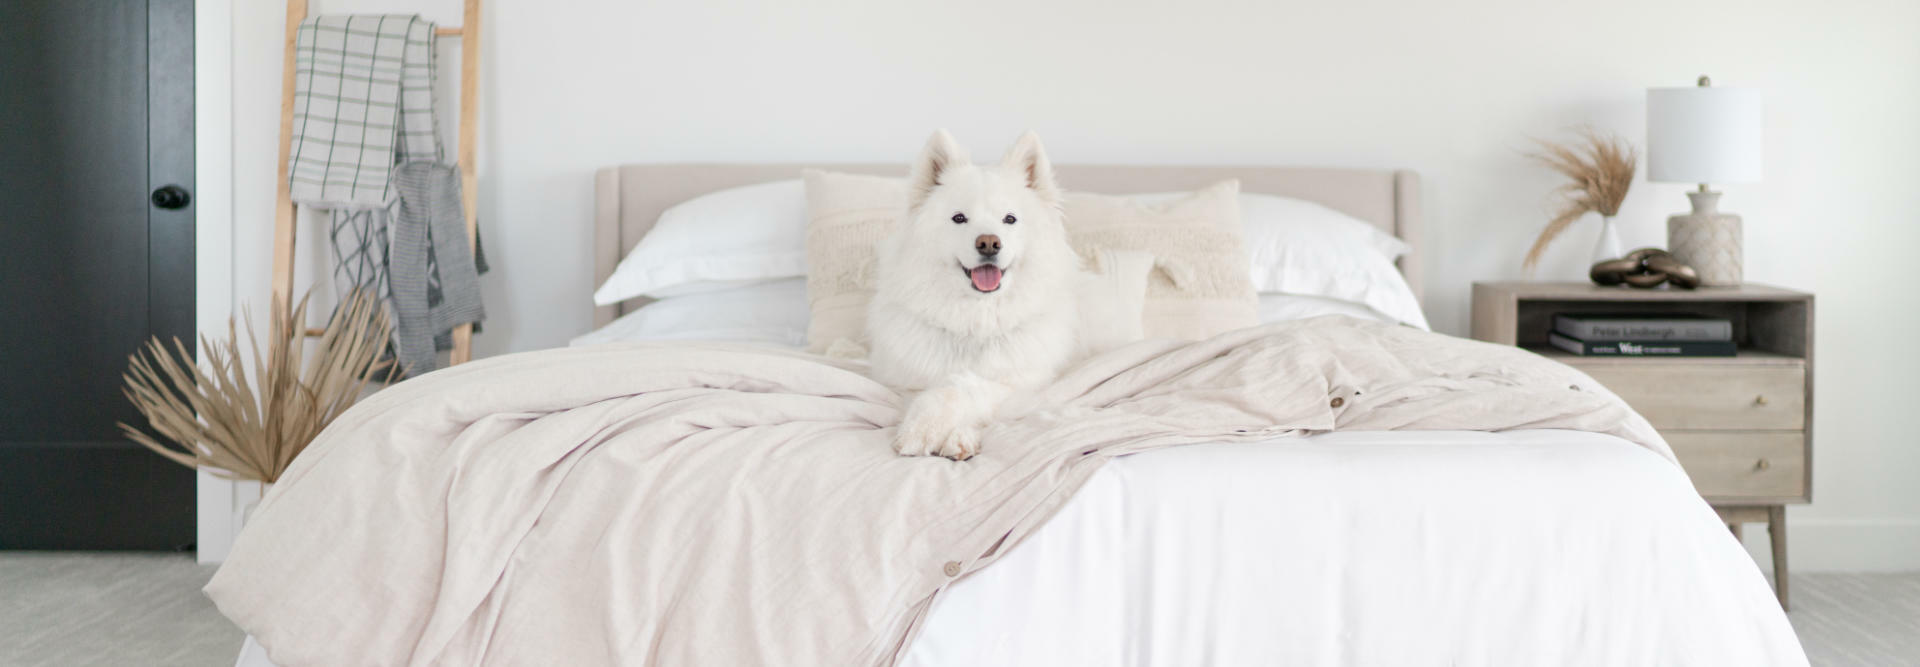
(1642, 335)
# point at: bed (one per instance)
(1523, 546)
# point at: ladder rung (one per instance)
(454, 31)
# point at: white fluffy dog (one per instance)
(978, 294)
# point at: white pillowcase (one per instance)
(1275, 224)
(1303, 248)
(720, 240)
(772, 313)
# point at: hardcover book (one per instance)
(1643, 327)
(1643, 348)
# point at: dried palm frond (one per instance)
(1601, 168)
(214, 416)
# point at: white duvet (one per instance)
(1543, 547)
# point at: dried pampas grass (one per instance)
(213, 415)
(1601, 168)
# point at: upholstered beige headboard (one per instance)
(629, 198)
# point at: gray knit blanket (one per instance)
(415, 255)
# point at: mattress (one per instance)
(1368, 548)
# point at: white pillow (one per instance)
(1288, 307)
(773, 313)
(1276, 223)
(720, 240)
(1303, 248)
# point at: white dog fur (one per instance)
(967, 325)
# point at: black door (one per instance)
(96, 114)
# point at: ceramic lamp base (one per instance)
(1707, 240)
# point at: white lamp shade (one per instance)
(1703, 134)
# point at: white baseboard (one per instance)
(1842, 545)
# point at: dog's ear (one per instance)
(1029, 159)
(941, 155)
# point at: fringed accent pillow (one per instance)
(1199, 285)
(846, 215)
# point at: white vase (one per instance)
(1608, 247)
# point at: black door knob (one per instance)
(172, 197)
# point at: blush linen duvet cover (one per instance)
(690, 504)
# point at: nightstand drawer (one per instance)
(1743, 464)
(1679, 395)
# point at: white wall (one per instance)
(1450, 89)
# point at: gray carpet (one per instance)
(1857, 619)
(117, 609)
(110, 609)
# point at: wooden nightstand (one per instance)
(1738, 424)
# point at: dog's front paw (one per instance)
(909, 443)
(936, 433)
(960, 444)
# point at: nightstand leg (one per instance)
(1777, 532)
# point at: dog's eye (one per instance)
(1009, 219)
(959, 218)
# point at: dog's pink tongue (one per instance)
(986, 277)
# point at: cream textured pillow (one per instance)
(846, 215)
(1199, 286)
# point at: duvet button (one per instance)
(952, 569)
(1337, 401)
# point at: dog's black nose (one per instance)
(987, 245)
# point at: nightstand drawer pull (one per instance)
(1760, 400)
(1763, 465)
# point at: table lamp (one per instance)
(1704, 134)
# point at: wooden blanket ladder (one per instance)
(284, 209)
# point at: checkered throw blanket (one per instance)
(363, 102)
